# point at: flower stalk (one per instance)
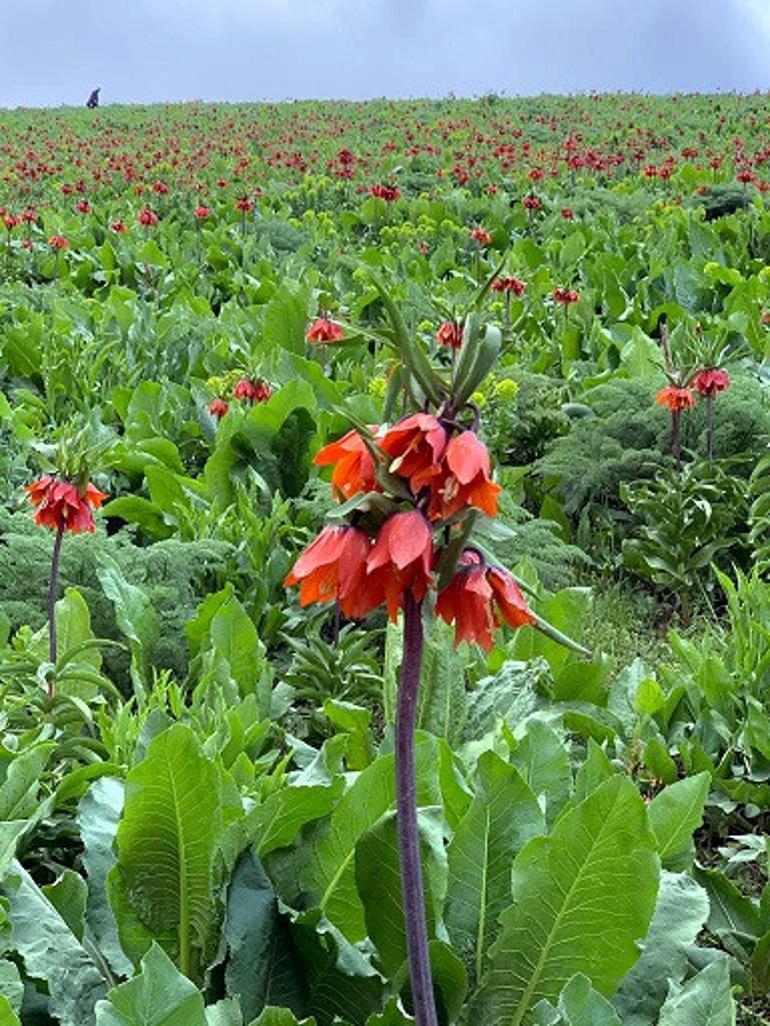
(413, 893)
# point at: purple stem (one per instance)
(406, 809)
(710, 427)
(676, 438)
(53, 648)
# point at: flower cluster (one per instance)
(416, 481)
(246, 390)
(62, 505)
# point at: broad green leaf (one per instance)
(8, 1016)
(326, 869)
(675, 814)
(234, 636)
(582, 898)
(280, 1017)
(20, 780)
(261, 965)
(286, 318)
(158, 996)
(543, 761)
(51, 952)
(11, 986)
(579, 1005)
(135, 617)
(503, 816)
(706, 999)
(379, 884)
(340, 978)
(224, 1013)
(593, 771)
(67, 894)
(680, 912)
(99, 813)
(167, 842)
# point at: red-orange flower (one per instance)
(711, 381)
(252, 391)
(354, 469)
(511, 284)
(218, 408)
(333, 567)
(400, 560)
(478, 598)
(118, 226)
(147, 218)
(415, 445)
(675, 398)
(464, 479)
(58, 242)
(202, 213)
(61, 506)
(322, 330)
(450, 333)
(481, 236)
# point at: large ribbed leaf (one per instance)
(706, 999)
(98, 817)
(158, 996)
(582, 899)
(167, 840)
(51, 952)
(504, 815)
(328, 869)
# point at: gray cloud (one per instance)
(54, 51)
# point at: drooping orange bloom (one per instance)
(400, 560)
(244, 204)
(508, 599)
(481, 236)
(712, 381)
(450, 334)
(675, 398)
(202, 212)
(333, 567)
(60, 505)
(464, 479)
(354, 468)
(467, 602)
(58, 242)
(415, 445)
(479, 598)
(118, 226)
(218, 408)
(322, 331)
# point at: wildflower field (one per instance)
(384, 552)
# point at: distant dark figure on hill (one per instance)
(93, 99)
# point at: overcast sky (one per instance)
(55, 51)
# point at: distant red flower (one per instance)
(118, 226)
(450, 333)
(10, 220)
(515, 285)
(83, 207)
(532, 203)
(29, 216)
(567, 214)
(244, 204)
(147, 217)
(27, 244)
(415, 446)
(481, 236)
(334, 568)
(675, 398)
(202, 213)
(400, 560)
(711, 381)
(565, 296)
(160, 188)
(354, 467)
(322, 331)
(58, 242)
(478, 598)
(464, 479)
(61, 506)
(218, 408)
(252, 391)
(389, 193)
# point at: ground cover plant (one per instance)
(384, 531)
